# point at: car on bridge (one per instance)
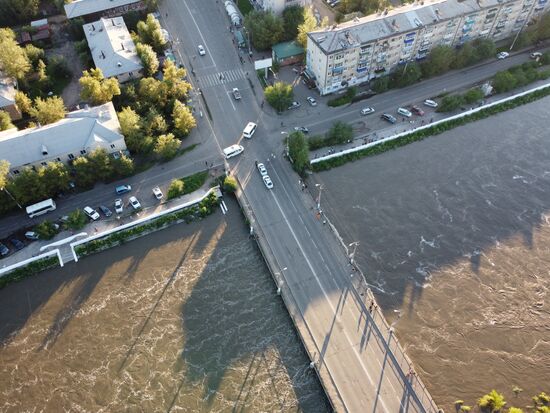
(262, 169)
(267, 182)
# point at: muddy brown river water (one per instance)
(454, 233)
(184, 320)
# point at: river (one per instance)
(184, 320)
(454, 233)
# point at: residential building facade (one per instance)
(78, 134)
(113, 49)
(360, 50)
(277, 6)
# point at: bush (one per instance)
(473, 95)
(450, 103)
(77, 220)
(230, 184)
(28, 270)
(381, 84)
(339, 133)
(345, 99)
(493, 401)
(175, 189)
(46, 230)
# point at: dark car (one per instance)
(417, 111)
(389, 118)
(4, 250)
(106, 211)
(17, 244)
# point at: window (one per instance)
(15, 171)
(83, 152)
(112, 146)
(58, 159)
(43, 164)
(70, 156)
(340, 56)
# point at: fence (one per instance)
(10, 268)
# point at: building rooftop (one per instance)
(112, 47)
(398, 21)
(7, 91)
(83, 7)
(70, 135)
(287, 49)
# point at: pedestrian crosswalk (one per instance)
(220, 78)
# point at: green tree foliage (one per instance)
(339, 133)
(450, 103)
(176, 188)
(123, 166)
(48, 110)
(17, 11)
(473, 95)
(55, 178)
(504, 81)
(34, 54)
(76, 220)
(153, 92)
(308, 25)
(229, 184)
(293, 17)
(154, 123)
(101, 164)
(279, 96)
(148, 58)
(183, 118)
(439, 61)
(45, 230)
(149, 32)
(130, 126)
(27, 187)
(84, 172)
(167, 146)
(381, 84)
(4, 171)
(410, 74)
(96, 88)
(514, 410)
(364, 6)
(266, 29)
(298, 152)
(13, 59)
(5, 121)
(23, 102)
(484, 49)
(41, 73)
(173, 80)
(492, 402)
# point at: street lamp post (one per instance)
(319, 197)
(11, 196)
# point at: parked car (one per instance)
(106, 211)
(33, 236)
(503, 55)
(119, 206)
(122, 189)
(389, 118)
(302, 129)
(294, 105)
(404, 112)
(202, 52)
(417, 111)
(430, 103)
(262, 169)
(535, 55)
(267, 182)
(367, 111)
(236, 93)
(134, 203)
(92, 213)
(4, 250)
(311, 101)
(18, 245)
(157, 192)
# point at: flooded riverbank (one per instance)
(184, 320)
(454, 233)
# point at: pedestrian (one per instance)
(262, 105)
(282, 124)
(206, 162)
(370, 307)
(431, 120)
(324, 223)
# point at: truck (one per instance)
(236, 93)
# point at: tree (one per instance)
(154, 123)
(279, 96)
(149, 32)
(4, 171)
(173, 80)
(34, 54)
(514, 410)
(153, 91)
(101, 163)
(176, 188)
(484, 49)
(27, 187)
(123, 166)
(381, 84)
(96, 88)
(309, 24)
(76, 220)
(41, 72)
(55, 178)
(183, 118)
(339, 133)
(439, 61)
(411, 74)
(492, 402)
(450, 103)
(48, 110)
(23, 102)
(229, 184)
(293, 16)
(167, 146)
(148, 58)
(5, 121)
(504, 81)
(13, 59)
(84, 172)
(46, 230)
(18, 11)
(465, 56)
(130, 126)
(266, 29)
(473, 95)
(298, 152)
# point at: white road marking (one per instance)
(200, 33)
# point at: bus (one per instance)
(41, 208)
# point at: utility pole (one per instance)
(11, 196)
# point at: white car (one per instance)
(367, 111)
(430, 103)
(135, 203)
(119, 206)
(267, 182)
(503, 55)
(535, 55)
(92, 213)
(404, 112)
(202, 52)
(311, 101)
(262, 169)
(157, 192)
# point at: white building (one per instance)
(277, 6)
(362, 49)
(79, 133)
(7, 97)
(113, 49)
(94, 9)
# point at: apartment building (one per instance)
(277, 6)
(360, 50)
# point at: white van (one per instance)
(404, 112)
(249, 130)
(232, 151)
